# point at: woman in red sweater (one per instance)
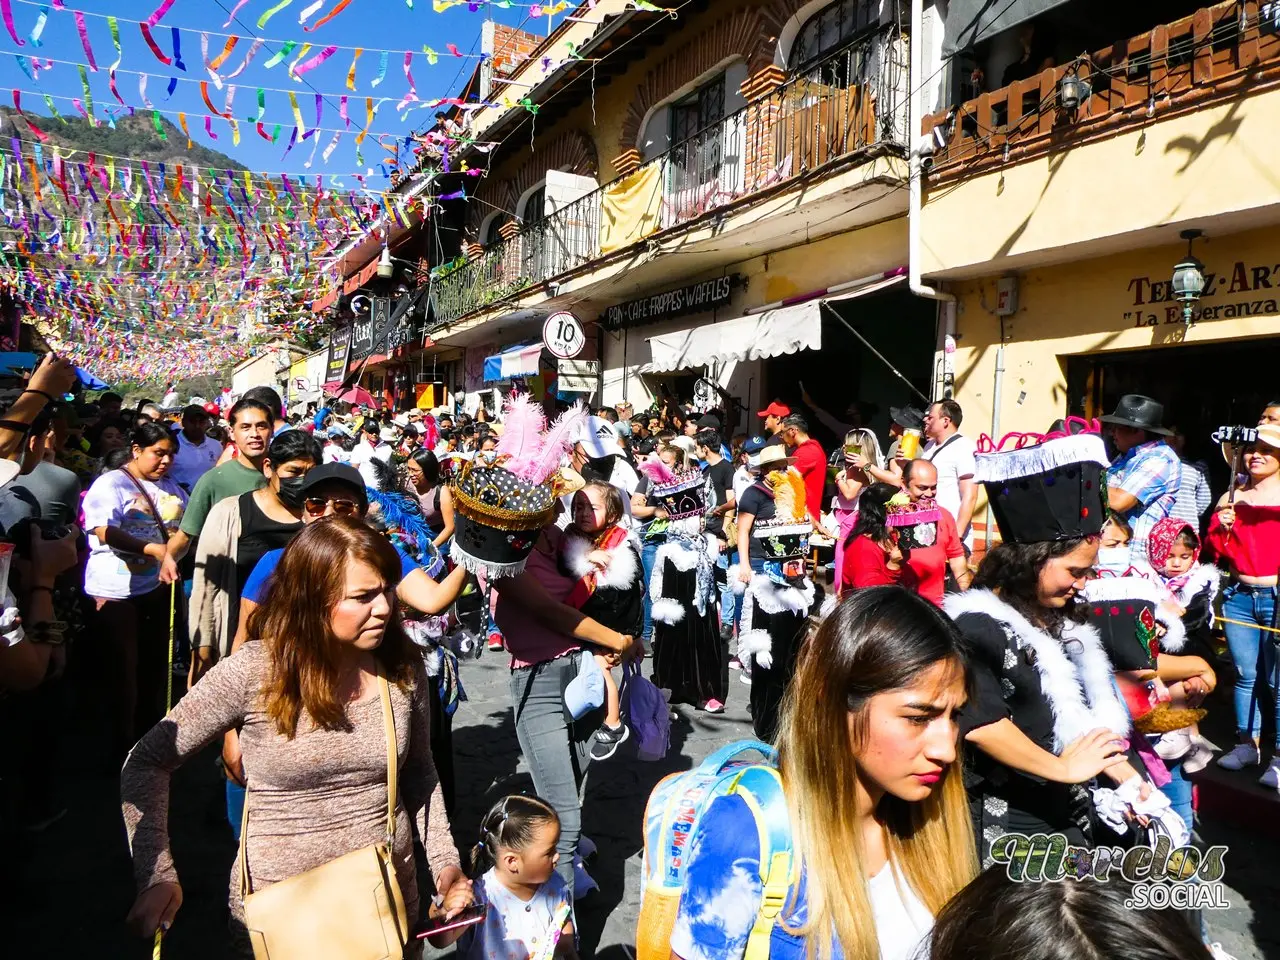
(871, 554)
(1244, 536)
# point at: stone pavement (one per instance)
(64, 892)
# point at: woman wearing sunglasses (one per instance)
(1245, 533)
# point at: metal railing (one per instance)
(1180, 65)
(849, 100)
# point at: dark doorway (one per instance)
(1202, 387)
(902, 327)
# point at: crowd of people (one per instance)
(315, 584)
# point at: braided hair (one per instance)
(511, 824)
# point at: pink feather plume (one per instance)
(431, 431)
(656, 470)
(522, 426)
(558, 441)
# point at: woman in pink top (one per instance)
(544, 637)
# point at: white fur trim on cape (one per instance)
(1204, 577)
(773, 597)
(621, 571)
(1029, 461)
(1106, 589)
(685, 554)
(757, 645)
(1080, 687)
(665, 610)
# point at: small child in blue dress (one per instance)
(529, 909)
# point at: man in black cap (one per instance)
(1144, 478)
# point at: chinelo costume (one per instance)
(1055, 684)
(776, 604)
(689, 657)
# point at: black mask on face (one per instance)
(290, 492)
(598, 468)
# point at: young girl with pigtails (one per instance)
(528, 907)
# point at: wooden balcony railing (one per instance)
(1172, 68)
(853, 99)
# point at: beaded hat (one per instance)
(785, 536)
(501, 504)
(915, 522)
(684, 495)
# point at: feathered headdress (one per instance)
(657, 471)
(789, 504)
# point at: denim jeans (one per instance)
(727, 602)
(1253, 652)
(555, 746)
(648, 551)
(1178, 790)
(235, 807)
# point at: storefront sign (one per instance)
(1246, 290)
(578, 376)
(563, 336)
(335, 367)
(694, 298)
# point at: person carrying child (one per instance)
(528, 907)
(601, 553)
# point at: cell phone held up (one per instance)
(470, 915)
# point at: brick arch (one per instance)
(572, 151)
(750, 33)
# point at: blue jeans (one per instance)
(235, 807)
(1253, 652)
(1178, 790)
(727, 602)
(648, 551)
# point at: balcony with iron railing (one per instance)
(849, 101)
(1172, 68)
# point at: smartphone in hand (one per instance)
(470, 915)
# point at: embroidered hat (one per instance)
(683, 495)
(916, 522)
(1045, 490)
(785, 536)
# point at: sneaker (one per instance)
(713, 706)
(1272, 777)
(1242, 755)
(1200, 755)
(1173, 745)
(495, 641)
(607, 739)
(735, 663)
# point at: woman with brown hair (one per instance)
(305, 692)
(878, 822)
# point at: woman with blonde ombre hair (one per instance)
(879, 825)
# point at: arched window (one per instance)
(533, 246)
(492, 232)
(830, 28)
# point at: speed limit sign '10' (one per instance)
(562, 335)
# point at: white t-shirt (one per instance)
(954, 460)
(902, 921)
(742, 478)
(193, 461)
(114, 501)
(513, 927)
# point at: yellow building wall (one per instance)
(1103, 305)
(1214, 162)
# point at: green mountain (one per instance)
(134, 136)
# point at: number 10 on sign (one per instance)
(562, 334)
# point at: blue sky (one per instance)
(372, 24)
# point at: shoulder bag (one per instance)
(350, 908)
(155, 511)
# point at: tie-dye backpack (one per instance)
(671, 820)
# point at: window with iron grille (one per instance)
(492, 231)
(696, 135)
(829, 29)
(533, 246)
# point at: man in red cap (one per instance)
(773, 415)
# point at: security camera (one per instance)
(553, 287)
(928, 145)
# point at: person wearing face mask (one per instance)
(237, 532)
(1044, 722)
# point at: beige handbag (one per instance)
(350, 908)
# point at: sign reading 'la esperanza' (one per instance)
(692, 298)
(1246, 290)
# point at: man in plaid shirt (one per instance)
(1143, 482)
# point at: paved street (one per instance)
(71, 887)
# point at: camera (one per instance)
(1238, 436)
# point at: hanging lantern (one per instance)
(1188, 278)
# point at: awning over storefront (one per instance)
(515, 362)
(770, 333)
(972, 21)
